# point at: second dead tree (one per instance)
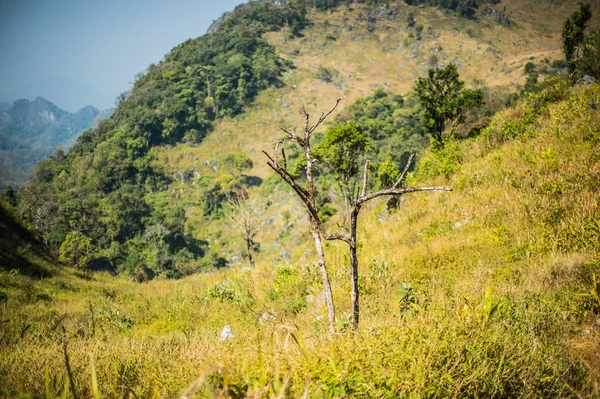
(249, 215)
(355, 207)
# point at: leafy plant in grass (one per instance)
(407, 299)
(289, 290)
(592, 297)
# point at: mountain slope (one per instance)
(229, 92)
(109, 170)
(476, 292)
(364, 49)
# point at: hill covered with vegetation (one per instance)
(488, 290)
(131, 185)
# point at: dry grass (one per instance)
(493, 311)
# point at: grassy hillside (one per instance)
(499, 304)
(363, 51)
(21, 249)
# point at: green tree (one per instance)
(530, 67)
(238, 161)
(342, 150)
(444, 98)
(76, 249)
(156, 248)
(573, 34)
(589, 63)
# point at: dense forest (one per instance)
(89, 204)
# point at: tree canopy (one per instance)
(342, 150)
(444, 98)
(581, 48)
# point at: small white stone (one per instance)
(226, 333)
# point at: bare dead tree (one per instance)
(307, 195)
(356, 206)
(249, 215)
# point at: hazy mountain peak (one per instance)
(31, 130)
(67, 93)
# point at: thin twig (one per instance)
(324, 115)
(392, 191)
(411, 158)
(365, 179)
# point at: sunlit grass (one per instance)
(495, 309)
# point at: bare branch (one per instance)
(268, 156)
(365, 178)
(324, 115)
(277, 151)
(411, 158)
(304, 196)
(339, 237)
(290, 134)
(301, 191)
(249, 215)
(306, 121)
(396, 191)
(284, 158)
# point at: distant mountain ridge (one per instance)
(33, 130)
(67, 93)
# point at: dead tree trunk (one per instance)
(356, 206)
(354, 264)
(314, 229)
(307, 195)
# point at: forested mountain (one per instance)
(32, 130)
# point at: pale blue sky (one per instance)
(100, 43)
